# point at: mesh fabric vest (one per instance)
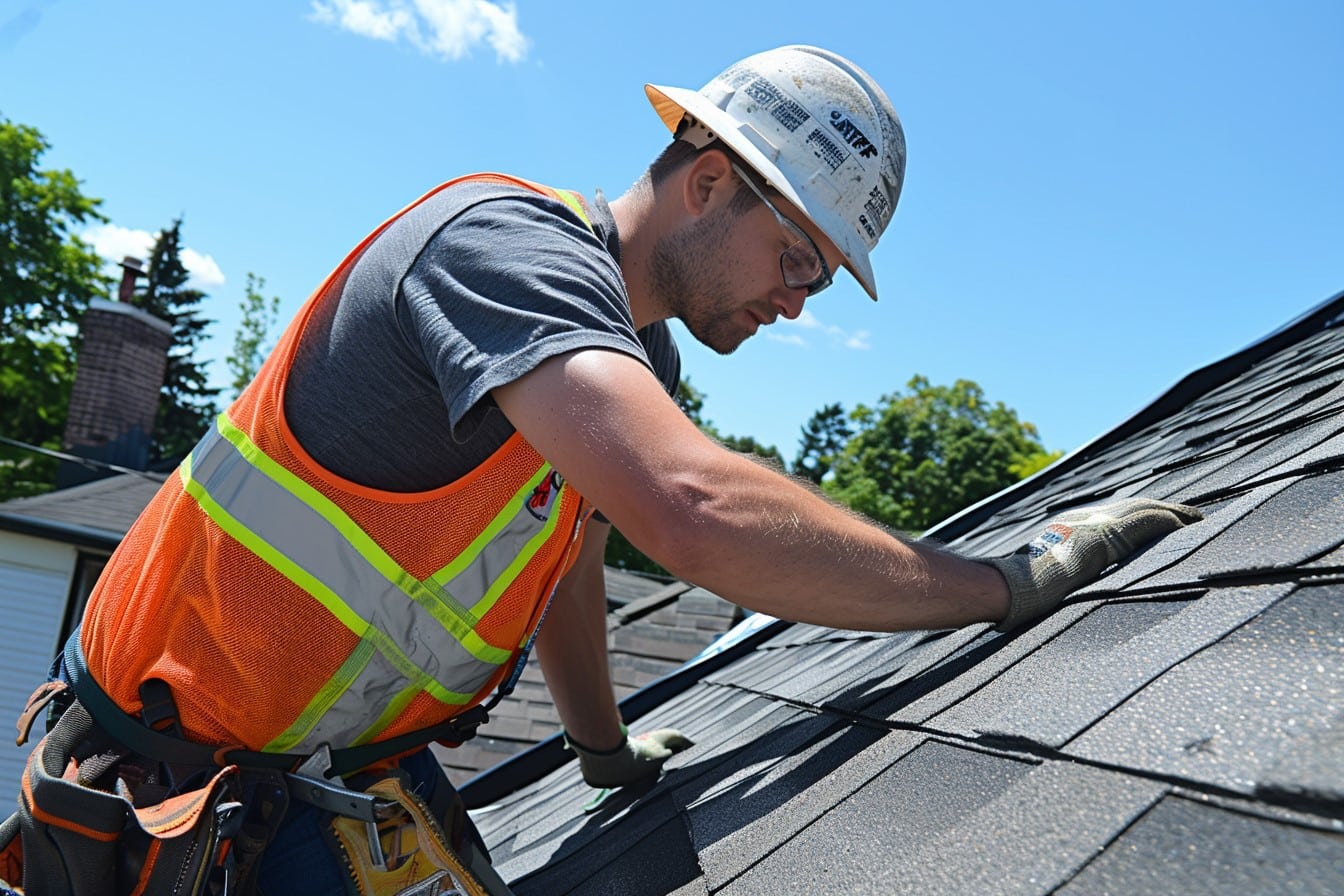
(288, 607)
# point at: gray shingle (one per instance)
(1176, 727)
(1181, 846)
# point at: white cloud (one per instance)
(448, 29)
(807, 319)
(789, 333)
(205, 273)
(859, 339)
(114, 243)
(786, 338)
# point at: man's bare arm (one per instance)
(717, 519)
(572, 649)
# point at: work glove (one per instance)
(1076, 546)
(638, 759)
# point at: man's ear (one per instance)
(709, 182)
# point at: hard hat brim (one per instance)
(672, 103)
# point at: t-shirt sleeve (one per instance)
(507, 284)
(663, 355)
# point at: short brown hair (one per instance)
(681, 152)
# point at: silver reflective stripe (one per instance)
(498, 563)
(420, 644)
(379, 685)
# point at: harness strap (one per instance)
(161, 747)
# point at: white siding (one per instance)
(34, 582)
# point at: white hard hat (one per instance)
(816, 127)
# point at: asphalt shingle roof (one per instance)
(1176, 727)
(101, 510)
(656, 628)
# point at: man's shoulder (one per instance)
(497, 195)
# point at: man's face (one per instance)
(720, 275)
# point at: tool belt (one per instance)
(92, 820)
(402, 841)
(111, 804)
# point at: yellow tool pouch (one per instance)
(404, 851)
(89, 822)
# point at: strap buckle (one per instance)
(309, 783)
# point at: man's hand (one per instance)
(638, 759)
(1076, 546)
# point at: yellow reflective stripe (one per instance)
(278, 561)
(571, 199)
(319, 714)
(394, 709)
(335, 708)
(361, 542)
(502, 519)
(524, 557)
(325, 697)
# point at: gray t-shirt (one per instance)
(468, 291)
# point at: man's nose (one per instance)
(789, 302)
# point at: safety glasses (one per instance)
(802, 263)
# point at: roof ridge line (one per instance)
(1328, 314)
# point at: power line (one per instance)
(86, 462)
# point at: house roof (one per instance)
(96, 514)
(1177, 726)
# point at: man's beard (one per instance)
(689, 277)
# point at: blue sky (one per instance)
(1100, 197)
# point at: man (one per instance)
(367, 542)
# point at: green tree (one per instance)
(749, 445)
(35, 379)
(252, 340)
(620, 552)
(1034, 463)
(186, 403)
(691, 401)
(926, 453)
(824, 436)
(47, 274)
(47, 277)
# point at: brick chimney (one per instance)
(116, 391)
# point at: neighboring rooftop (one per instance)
(96, 513)
(1176, 727)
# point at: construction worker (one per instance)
(363, 548)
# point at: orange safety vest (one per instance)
(287, 607)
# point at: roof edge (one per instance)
(1325, 315)
(530, 765)
(71, 533)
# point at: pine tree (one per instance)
(187, 405)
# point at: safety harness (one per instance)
(108, 797)
(117, 803)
